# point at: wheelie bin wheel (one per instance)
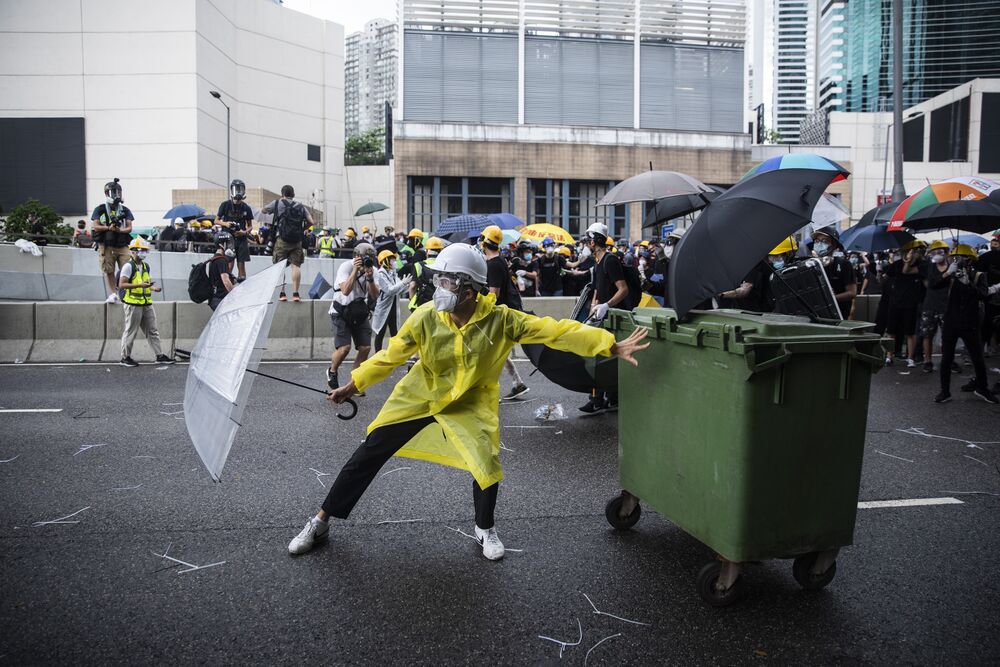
(619, 522)
(710, 593)
(802, 571)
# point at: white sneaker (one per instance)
(315, 531)
(910, 363)
(112, 298)
(492, 546)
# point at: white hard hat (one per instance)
(598, 228)
(677, 233)
(462, 258)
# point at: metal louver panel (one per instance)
(455, 78)
(691, 88)
(577, 82)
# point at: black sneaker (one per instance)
(969, 386)
(928, 366)
(594, 406)
(987, 395)
(955, 368)
(943, 397)
(164, 359)
(515, 391)
(331, 379)
(129, 362)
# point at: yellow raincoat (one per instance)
(457, 378)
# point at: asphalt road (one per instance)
(919, 586)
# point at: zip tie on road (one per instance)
(393, 470)
(476, 539)
(562, 644)
(190, 566)
(84, 448)
(181, 403)
(144, 456)
(126, 488)
(401, 521)
(171, 414)
(972, 444)
(505, 448)
(971, 493)
(61, 519)
(893, 456)
(604, 613)
(976, 460)
(587, 657)
(9, 460)
(320, 474)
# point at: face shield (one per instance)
(237, 191)
(113, 192)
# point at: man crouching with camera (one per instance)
(355, 286)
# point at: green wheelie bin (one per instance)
(724, 429)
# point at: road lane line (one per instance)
(912, 502)
(32, 410)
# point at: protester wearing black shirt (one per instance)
(500, 283)
(550, 267)
(220, 269)
(750, 294)
(989, 264)
(236, 215)
(906, 294)
(524, 266)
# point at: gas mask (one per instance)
(113, 193)
(446, 289)
(237, 190)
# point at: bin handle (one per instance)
(753, 367)
(863, 357)
(719, 332)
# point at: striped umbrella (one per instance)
(968, 203)
(798, 161)
(462, 223)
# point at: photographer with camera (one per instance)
(354, 285)
(290, 221)
(112, 224)
(236, 216)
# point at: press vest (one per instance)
(326, 246)
(139, 296)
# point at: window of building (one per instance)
(312, 152)
(989, 135)
(950, 132)
(913, 140)
(572, 205)
(433, 199)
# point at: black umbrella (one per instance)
(675, 207)
(573, 372)
(740, 227)
(979, 216)
(880, 214)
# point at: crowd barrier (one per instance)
(70, 332)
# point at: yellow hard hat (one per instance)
(564, 251)
(915, 243)
(644, 244)
(788, 245)
(349, 233)
(434, 243)
(964, 251)
(364, 230)
(493, 234)
(415, 234)
(938, 245)
(609, 242)
(384, 255)
(139, 243)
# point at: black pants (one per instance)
(991, 323)
(973, 347)
(390, 326)
(369, 458)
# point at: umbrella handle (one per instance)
(354, 410)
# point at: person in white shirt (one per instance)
(353, 286)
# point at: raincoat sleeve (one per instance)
(402, 346)
(566, 335)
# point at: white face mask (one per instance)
(668, 251)
(143, 254)
(445, 300)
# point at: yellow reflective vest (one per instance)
(326, 246)
(139, 296)
(457, 379)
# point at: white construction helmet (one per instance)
(598, 228)
(464, 260)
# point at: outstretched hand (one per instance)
(625, 349)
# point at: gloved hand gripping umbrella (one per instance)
(223, 363)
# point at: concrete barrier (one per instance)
(68, 331)
(322, 342)
(291, 334)
(189, 320)
(115, 325)
(17, 331)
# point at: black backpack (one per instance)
(290, 223)
(199, 284)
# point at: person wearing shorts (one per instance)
(112, 224)
(349, 316)
(290, 221)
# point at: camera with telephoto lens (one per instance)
(367, 261)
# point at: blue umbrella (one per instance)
(184, 211)
(501, 220)
(952, 237)
(873, 238)
(462, 223)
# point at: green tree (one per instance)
(23, 216)
(366, 148)
(772, 136)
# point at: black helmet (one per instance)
(238, 190)
(831, 231)
(113, 191)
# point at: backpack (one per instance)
(199, 284)
(291, 221)
(118, 275)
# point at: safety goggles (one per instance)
(448, 282)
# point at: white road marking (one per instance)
(911, 502)
(32, 410)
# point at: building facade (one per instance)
(370, 71)
(138, 105)
(794, 65)
(539, 107)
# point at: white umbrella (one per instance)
(829, 211)
(229, 347)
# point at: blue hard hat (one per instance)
(547, 242)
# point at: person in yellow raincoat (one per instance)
(445, 410)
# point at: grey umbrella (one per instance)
(652, 186)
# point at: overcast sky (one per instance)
(352, 14)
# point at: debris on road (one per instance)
(587, 657)
(604, 613)
(562, 644)
(61, 519)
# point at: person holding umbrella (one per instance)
(989, 263)
(966, 288)
(445, 409)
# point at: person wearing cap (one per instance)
(390, 286)
(989, 264)
(111, 222)
(136, 288)
(905, 281)
(236, 216)
(445, 410)
(966, 289)
(781, 257)
(501, 285)
(220, 269)
(656, 281)
(349, 315)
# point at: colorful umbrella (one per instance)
(798, 161)
(539, 232)
(969, 203)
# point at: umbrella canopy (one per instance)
(371, 207)
(878, 214)
(873, 238)
(462, 223)
(511, 236)
(953, 237)
(968, 203)
(675, 207)
(501, 220)
(798, 161)
(217, 384)
(573, 372)
(651, 186)
(739, 228)
(829, 211)
(539, 232)
(184, 211)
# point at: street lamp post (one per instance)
(218, 96)
(898, 191)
